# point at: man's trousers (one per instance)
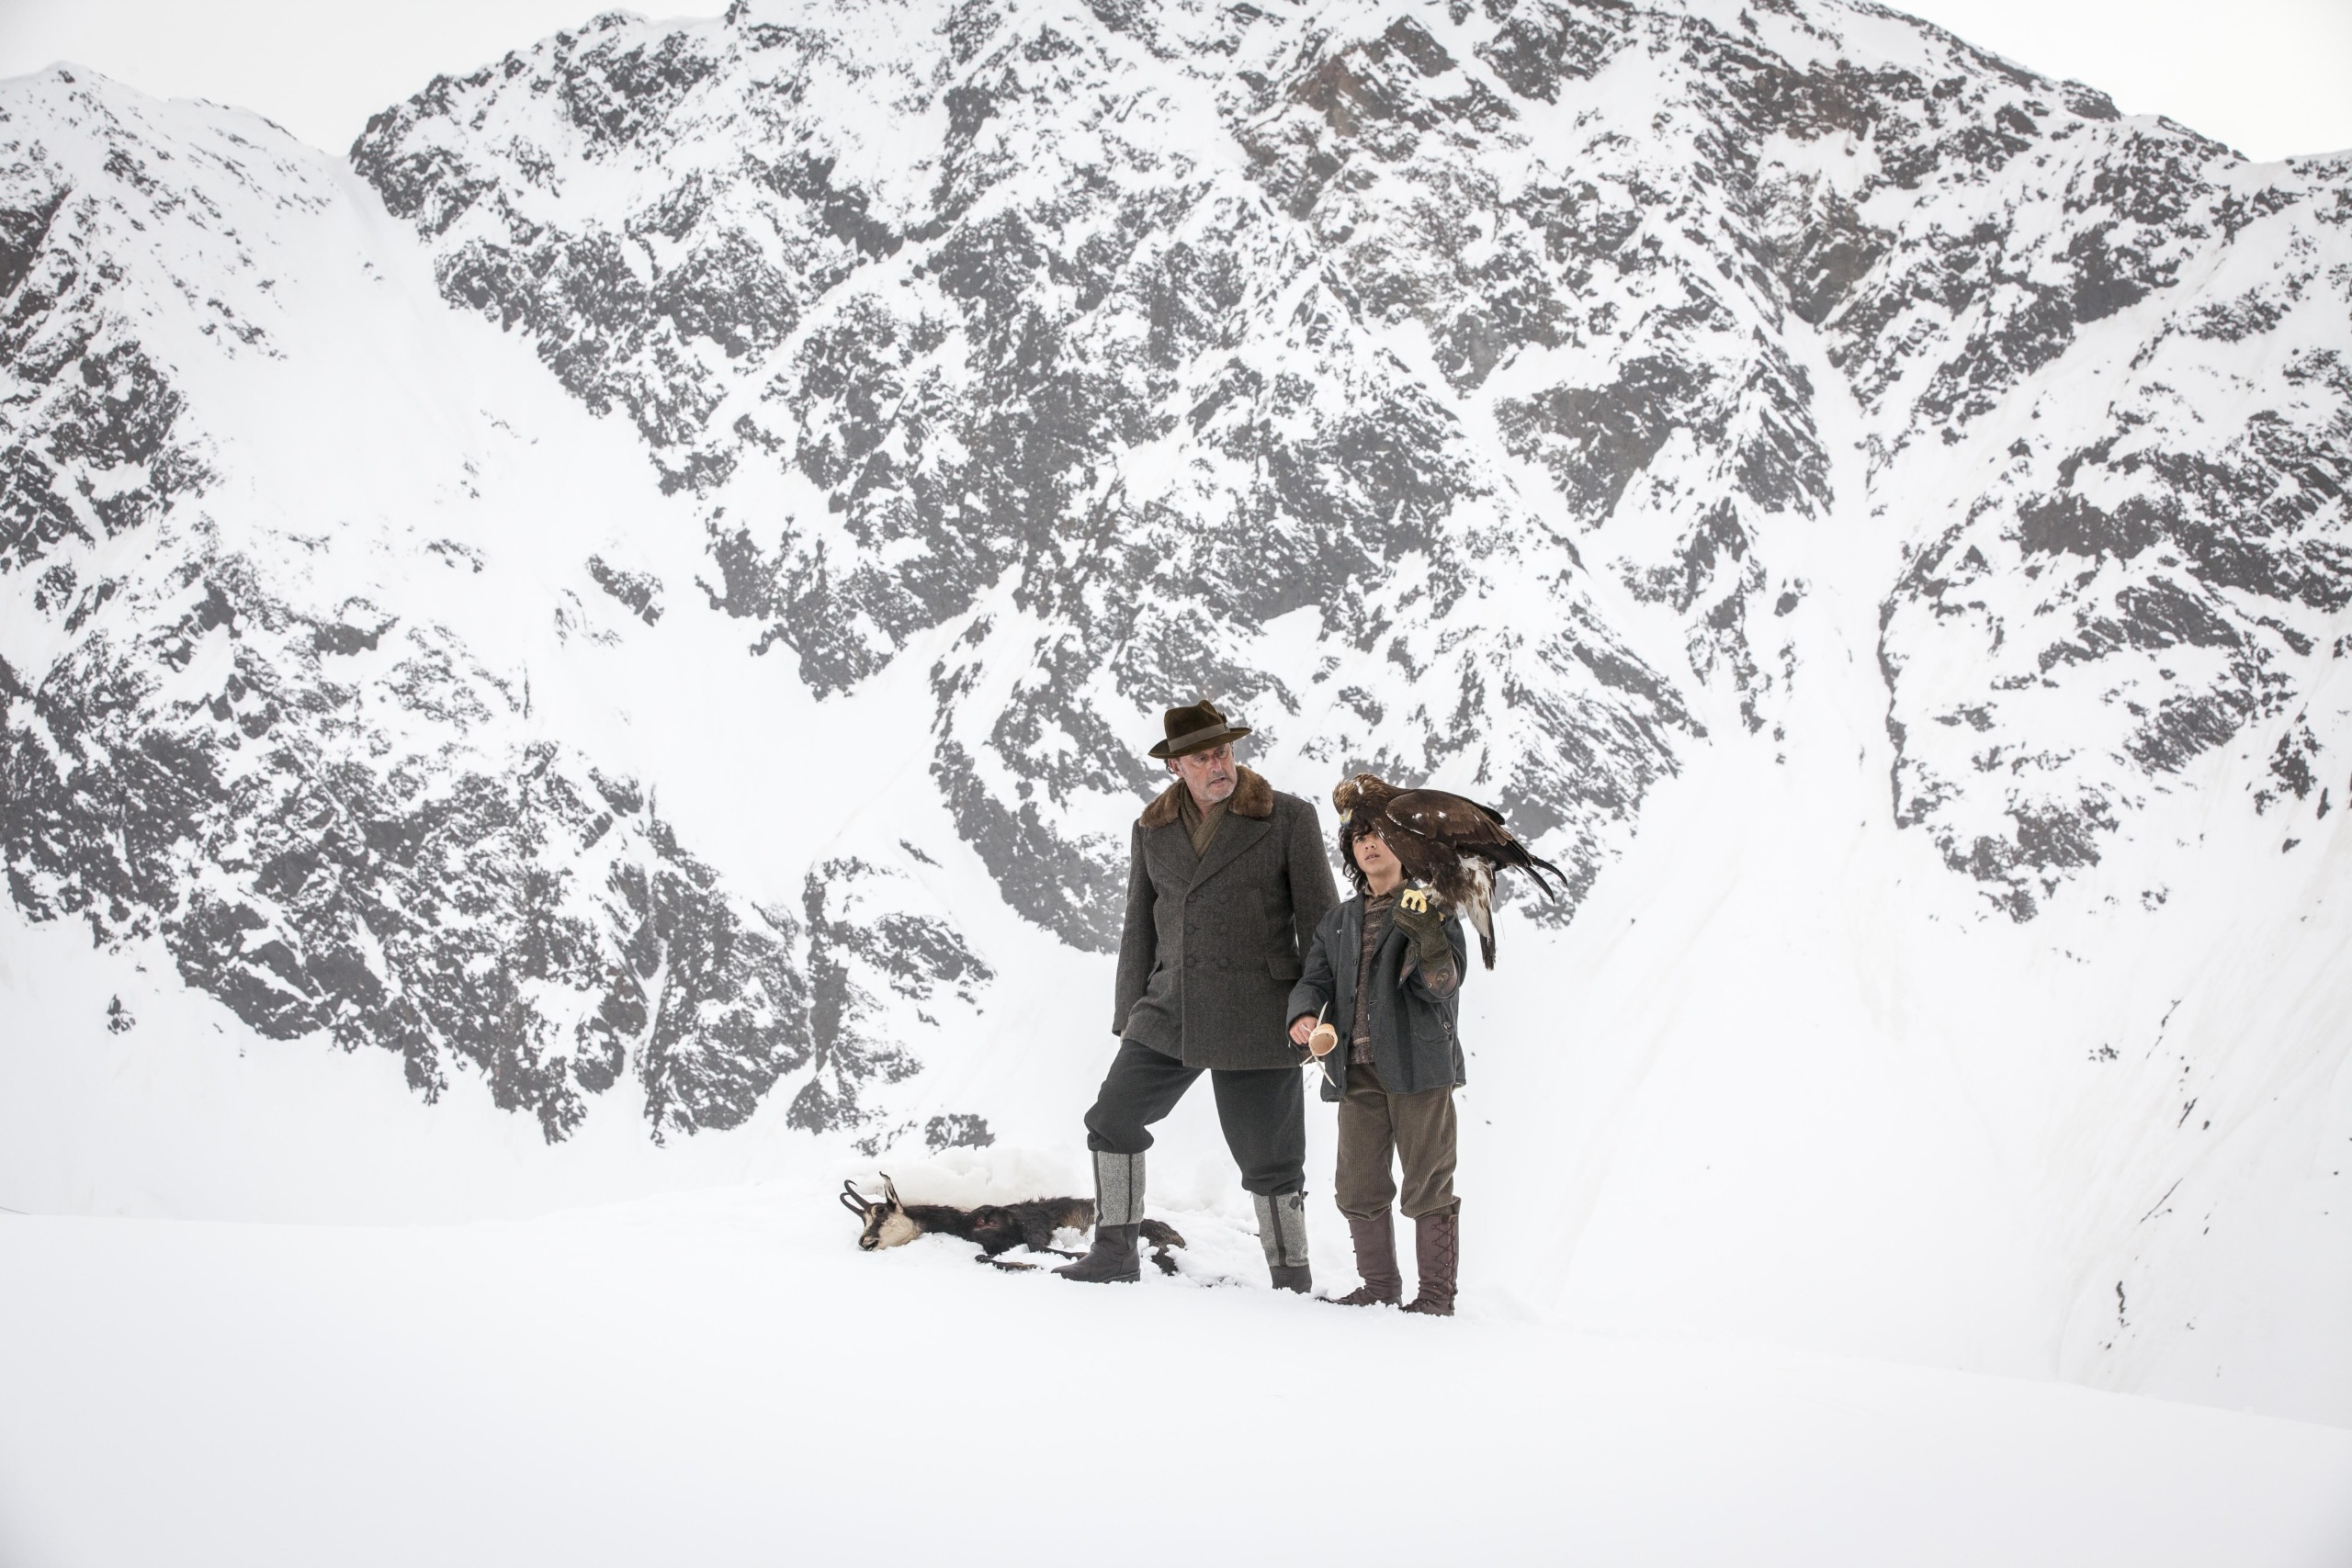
(1263, 1113)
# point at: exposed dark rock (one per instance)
(640, 591)
(1537, 45)
(854, 947)
(959, 1131)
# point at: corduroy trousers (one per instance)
(1378, 1129)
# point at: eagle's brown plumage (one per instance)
(1452, 846)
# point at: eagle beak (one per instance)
(1345, 815)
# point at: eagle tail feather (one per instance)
(1482, 920)
(1536, 866)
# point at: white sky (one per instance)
(2269, 77)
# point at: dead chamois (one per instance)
(996, 1227)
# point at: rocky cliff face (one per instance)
(924, 305)
(1458, 389)
(1182, 318)
(256, 737)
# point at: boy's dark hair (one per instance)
(1351, 829)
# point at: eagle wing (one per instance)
(1474, 832)
(1448, 844)
(1449, 818)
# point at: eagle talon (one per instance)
(1413, 898)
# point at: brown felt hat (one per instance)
(1195, 728)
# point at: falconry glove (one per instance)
(1424, 924)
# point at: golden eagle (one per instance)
(1451, 846)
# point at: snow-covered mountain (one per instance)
(269, 530)
(645, 585)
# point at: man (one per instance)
(1226, 885)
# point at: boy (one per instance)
(1383, 975)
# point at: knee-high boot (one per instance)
(1282, 1231)
(1437, 1250)
(1376, 1242)
(1118, 1220)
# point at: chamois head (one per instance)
(886, 1219)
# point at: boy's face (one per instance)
(1371, 854)
(1210, 774)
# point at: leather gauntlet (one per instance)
(1425, 927)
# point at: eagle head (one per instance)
(1349, 794)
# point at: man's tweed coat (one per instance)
(1213, 942)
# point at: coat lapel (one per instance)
(1233, 835)
(1247, 819)
(1168, 852)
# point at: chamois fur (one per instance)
(996, 1227)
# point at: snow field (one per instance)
(723, 1378)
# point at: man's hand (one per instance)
(1300, 1028)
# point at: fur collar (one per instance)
(1252, 797)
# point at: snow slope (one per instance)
(716, 1379)
(598, 645)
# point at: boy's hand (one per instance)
(1421, 922)
(1318, 1038)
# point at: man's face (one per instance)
(1209, 774)
(1371, 854)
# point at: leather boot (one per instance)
(1118, 1220)
(1376, 1240)
(1282, 1231)
(1437, 1250)
(1111, 1261)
